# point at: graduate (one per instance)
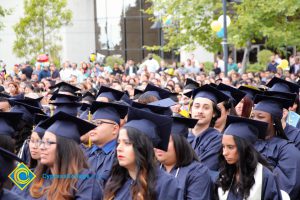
(281, 154)
(205, 140)
(244, 174)
(25, 125)
(182, 162)
(107, 117)
(190, 85)
(7, 159)
(153, 93)
(228, 107)
(61, 156)
(135, 174)
(106, 94)
(66, 103)
(34, 140)
(245, 106)
(285, 89)
(86, 102)
(8, 126)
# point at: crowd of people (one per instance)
(151, 131)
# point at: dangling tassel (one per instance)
(89, 116)
(90, 142)
(51, 110)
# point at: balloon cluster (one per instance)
(217, 26)
(284, 64)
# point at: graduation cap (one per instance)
(9, 122)
(125, 99)
(158, 92)
(291, 96)
(250, 91)
(88, 97)
(174, 96)
(245, 128)
(65, 88)
(137, 93)
(2, 94)
(63, 98)
(272, 105)
(155, 108)
(70, 108)
(156, 127)
(281, 85)
(27, 110)
(235, 95)
(110, 93)
(208, 92)
(191, 84)
(38, 119)
(31, 101)
(181, 125)
(213, 85)
(67, 126)
(110, 111)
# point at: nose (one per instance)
(225, 152)
(119, 147)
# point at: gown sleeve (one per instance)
(270, 190)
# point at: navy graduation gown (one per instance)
(101, 159)
(86, 188)
(270, 188)
(25, 154)
(166, 188)
(207, 146)
(8, 195)
(194, 181)
(293, 134)
(284, 157)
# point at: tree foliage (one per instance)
(38, 31)
(274, 22)
(4, 12)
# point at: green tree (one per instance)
(274, 22)
(38, 31)
(4, 12)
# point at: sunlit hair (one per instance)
(69, 159)
(144, 186)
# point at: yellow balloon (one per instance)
(216, 26)
(284, 63)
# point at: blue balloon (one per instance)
(220, 34)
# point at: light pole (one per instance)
(224, 42)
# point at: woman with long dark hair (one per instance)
(63, 170)
(135, 174)
(244, 174)
(182, 162)
(281, 154)
(228, 107)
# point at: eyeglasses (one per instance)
(46, 143)
(100, 122)
(35, 143)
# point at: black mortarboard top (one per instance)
(158, 92)
(27, 110)
(2, 94)
(7, 159)
(208, 92)
(38, 119)
(213, 85)
(5, 154)
(161, 110)
(167, 102)
(156, 127)
(174, 96)
(137, 93)
(89, 97)
(250, 91)
(235, 95)
(191, 84)
(281, 85)
(65, 88)
(245, 128)
(68, 126)
(110, 93)
(110, 111)
(272, 105)
(63, 99)
(291, 96)
(8, 122)
(181, 125)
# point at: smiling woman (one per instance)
(60, 154)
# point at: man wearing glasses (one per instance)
(106, 116)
